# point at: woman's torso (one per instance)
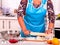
(35, 17)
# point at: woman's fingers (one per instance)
(27, 32)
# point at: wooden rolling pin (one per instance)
(38, 34)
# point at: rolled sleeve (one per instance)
(21, 8)
(20, 11)
(51, 15)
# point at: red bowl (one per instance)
(13, 41)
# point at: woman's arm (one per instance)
(21, 13)
(22, 25)
(51, 16)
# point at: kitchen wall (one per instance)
(0, 3)
(56, 4)
(13, 4)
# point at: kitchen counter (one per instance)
(23, 43)
(8, 17)
(35, 40)
(34, 43)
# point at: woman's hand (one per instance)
(49, 31)
(50, 28)
(26, 32)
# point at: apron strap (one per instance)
(44, 1)
(29, 1)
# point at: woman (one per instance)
(31, 16)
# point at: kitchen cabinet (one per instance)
(9, 23)
(2, 25)
(12, 24)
